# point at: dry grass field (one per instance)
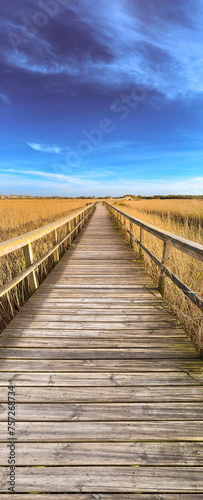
(184, 218)
(19, 216)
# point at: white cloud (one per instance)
(37, 181)
(44, 149)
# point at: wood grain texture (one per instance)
(114, 394)
(107, 431)
(64, 412)
(103, 379)
(106, 496)
(106, 479)
(109, 390)
(183, 453)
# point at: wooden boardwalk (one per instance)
(108, 388)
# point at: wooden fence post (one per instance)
(54, 240)
(68, 231)
(141, 251)
(29, 260)
(75, 224)
(131, 230)
(165, 260)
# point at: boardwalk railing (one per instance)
(169, 240)
(25, 242)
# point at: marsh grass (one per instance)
(18, 217)
(184, 218)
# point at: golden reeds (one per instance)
(19, 216)
(184, 218)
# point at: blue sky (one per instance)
(101, 97)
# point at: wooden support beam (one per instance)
(131, 236)
(68, 231)
(141, 252)
(29, 260)
(55, 240)
(165, 261)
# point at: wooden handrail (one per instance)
(186, 246)
(25, 241)
(170, 240)
(13, 244)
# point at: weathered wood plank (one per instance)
(115, 379)
(102, 334)
(110, 318)
(88, 354)
(183, 453)
(60, 412)
(106, 479)
(81, 325)
(105, 394)
(108, 496)
(64, 309)
(86, 343)
(107, 431)
(121, 365)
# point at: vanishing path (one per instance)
(108, 387)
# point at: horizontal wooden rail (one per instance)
(25, 241)
(170, 240)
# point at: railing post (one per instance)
(131, 230)
(56, 252)
(75, 224)
(29, 260)
(141, 251)
(165, 260)
(68, 231)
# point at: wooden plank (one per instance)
(106, 479)
(102, 342)
(183, 453)
(64, 412)
(106, 431)
(81, 325)
(86, 308)
(120, 293)
(115, 318)
(105, 394)
(115, 379)
(88, 354)
(107, 496)
(87, 333)
(98, 365)
(83, 305)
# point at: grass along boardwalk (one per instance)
(108, 388)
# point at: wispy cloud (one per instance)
(44, 149)
(53, 183)
(60, 178)
(5, 99)
(143, 44)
